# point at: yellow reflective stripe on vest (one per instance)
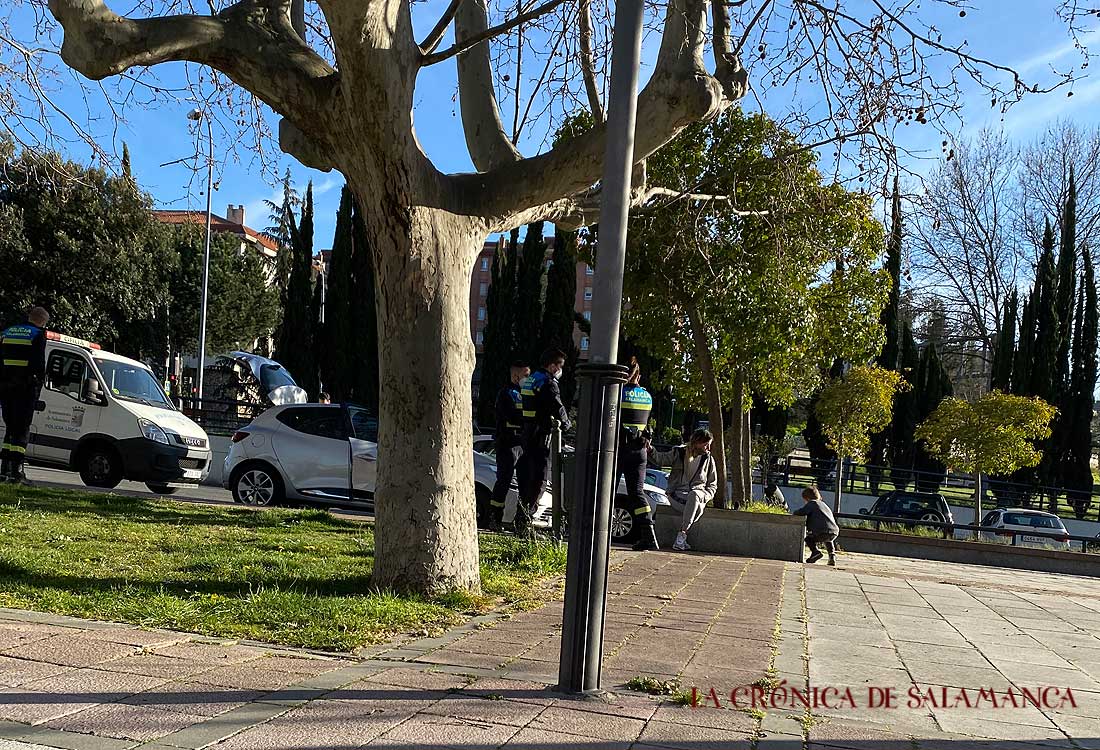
(641, 511)
(10, 340)
(16, 363)
(14, 448)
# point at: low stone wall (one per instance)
(769, 536)
(969, 553)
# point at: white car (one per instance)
(1022, 521)
(623, 528)
(326, 453)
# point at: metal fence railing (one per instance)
(219, 417)
(957, 489)
(1012, 537)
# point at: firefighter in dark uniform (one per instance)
(22, 371)
(508, 440)
(635, 405)
(541, 404)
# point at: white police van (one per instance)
(106, 417)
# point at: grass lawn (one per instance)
(293, 577)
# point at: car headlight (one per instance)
(655, 498)
(151, 432)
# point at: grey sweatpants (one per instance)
(689, 505)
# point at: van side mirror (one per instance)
(40, 406)
(93, 394)
(863, 511)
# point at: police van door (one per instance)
(68, 415)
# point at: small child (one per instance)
(820, 525)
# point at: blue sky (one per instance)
(1021, 33)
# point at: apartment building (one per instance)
(479, 291)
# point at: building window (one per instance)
(588, 270)
(588, 315)
(588, 292)
(484, 264)
(481, 313)
(483, 290)
(480, 338)
(584, 343)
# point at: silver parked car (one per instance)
(327, 453)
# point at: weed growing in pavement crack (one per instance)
(653, 686)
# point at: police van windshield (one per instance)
(274, 376)
(132, 383)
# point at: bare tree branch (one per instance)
(588, 61)
(435, 36)
(469, 42)
(486, 139)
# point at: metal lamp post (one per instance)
(601, 378)
(197, 115)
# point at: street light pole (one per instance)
(197, 116)
(601, 378)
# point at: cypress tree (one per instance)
(1044, 373)
(363, 359)
(499, 341)
(1022, 363)
(933, 385)
(532, 267)
(1003, 356)
(294, 343)
(1086, 338)
(905, 413)
(877, 456)
(339, 345)
(559, 315)
(1067, 276)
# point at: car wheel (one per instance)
(623, 528)
(483, 496)
(161, 489)
(257, 485)
(100, 466)
(936, 517)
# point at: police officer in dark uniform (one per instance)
(541, 404)
(635, 405)
(508, 440)
(22, 371)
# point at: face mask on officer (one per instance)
(556, 370)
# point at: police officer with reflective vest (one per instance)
(635, 405)
(541, 404)
(22, 371)
(508, 440)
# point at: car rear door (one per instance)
(364, 453)
(313, 451)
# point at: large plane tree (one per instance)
(342, 75)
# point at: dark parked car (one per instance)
(920, 506)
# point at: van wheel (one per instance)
(257, 485)
(100, 466)
(161, 489)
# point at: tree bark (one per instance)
(425, 512)
(740, 489)
(701, 350)
(746, 455)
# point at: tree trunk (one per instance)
(701, 352)
(425, 512)
(838, 483)
(746, 455)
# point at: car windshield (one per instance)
(1034, 521)
(274, 376)
(132, 383)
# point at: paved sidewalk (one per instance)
(707, 621)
